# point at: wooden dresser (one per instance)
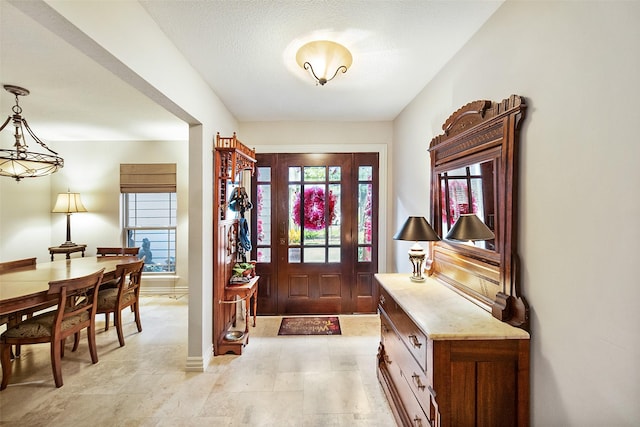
(444, 361)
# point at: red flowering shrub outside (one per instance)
(314, 205)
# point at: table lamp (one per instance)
(469, 228)
(417, 229)
(69, 203)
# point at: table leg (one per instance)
(255, 305)
(246, 316)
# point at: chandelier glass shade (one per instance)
(18, 162)
(324, 59)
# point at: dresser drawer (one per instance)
(406, 375)
(409, 333)
(419, 381)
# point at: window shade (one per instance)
(148, 178)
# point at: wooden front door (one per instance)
(316, 232)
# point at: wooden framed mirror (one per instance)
(474, 167)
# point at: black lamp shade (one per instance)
(416, 229)
(469, 227)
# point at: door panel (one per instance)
(316, 237)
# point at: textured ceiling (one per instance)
(245, 50)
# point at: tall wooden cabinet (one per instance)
(231, 159)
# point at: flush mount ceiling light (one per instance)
(324, 59)
(18, 162)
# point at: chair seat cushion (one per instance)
(107, 299)
(42, 325)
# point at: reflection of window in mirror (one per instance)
(469, 189)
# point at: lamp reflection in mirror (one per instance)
(324, 59)
(470, 228)
(68, 203)
(417, 229)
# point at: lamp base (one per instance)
(67, 244)
(417, 256)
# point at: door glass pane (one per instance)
(264, 255)
(335, 195)
(314, 237)
(334, 234)
(294, 255)
(315, 173)
(294, 214)
(314, 255)
(334, 254)
(334, 173)
(295, 173)
(264, 174)
(364, 214)
(365, 173)
(364, 254)
(263, 214)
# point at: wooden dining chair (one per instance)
(76, 311)
(104, 251)
(126, 294)
(8, 266)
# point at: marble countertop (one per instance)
(442, 313)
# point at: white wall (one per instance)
(25, 219)
(577, 64)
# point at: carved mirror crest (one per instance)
(474, 167)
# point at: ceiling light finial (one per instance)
(324, 59)
(19, 163)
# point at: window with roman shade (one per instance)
(148, 178)
(149, 208)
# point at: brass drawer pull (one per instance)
(415, 341)
(416, 379)
(387, 360)
(382, 300)
(417, 421)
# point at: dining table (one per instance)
(26, 288)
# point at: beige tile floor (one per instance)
(278, 381)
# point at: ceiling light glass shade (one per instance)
(324, 59)
(469, 227)
(19, 162)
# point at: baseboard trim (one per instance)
(199, 364)
(164, 290)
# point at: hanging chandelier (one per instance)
(18, 162)
(324, 59)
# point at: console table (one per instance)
(244, 292)
(67, 250)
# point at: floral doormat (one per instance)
(310, 326)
